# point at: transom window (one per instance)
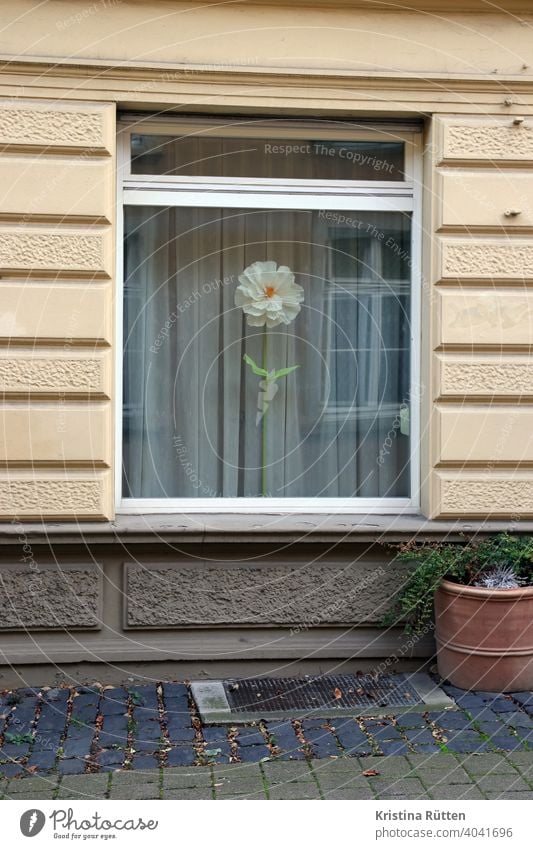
(270, 314)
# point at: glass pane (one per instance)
(212, 156)
(314, 405)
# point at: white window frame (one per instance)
(352, 196)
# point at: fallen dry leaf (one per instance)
(368, 773)
(337, 693)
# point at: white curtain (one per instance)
(190, 401)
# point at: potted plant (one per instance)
(481, 593)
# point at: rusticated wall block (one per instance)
(488, 496)
(486, 377)
(487, 258)
(43, 375)
(47, 596)
(488, 141)
(42, 125)
(44, 250)
(258, 593)
(69, 495)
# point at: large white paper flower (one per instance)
(268, 294)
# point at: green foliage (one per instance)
(269, 375)
(17, 739)
(459, 562)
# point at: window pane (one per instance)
(211, 156)
(198, 422)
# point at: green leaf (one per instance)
(255, 368)
(284, 371)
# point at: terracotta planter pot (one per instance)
(485, 637)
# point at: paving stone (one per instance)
(196, 794)
(176, 777)
(450, 719)
(106, 738)
(456, 791)
(9, 770)
(285, 738)
(71, 766)
(14, 751)
(390, 766)
(26, 795)
(510, 795)
(349, 793)
(249, 737)
(485, 763)
(519, 719)
(433, 777)
(77, 748)
(145, 762)
(111, 757)
(132, 776)
(279, 773)
(417, 735)
(181, 734)
(135, 791)
(507, 743)
(240, 786)
(523, 698)
(413, 720)
(294, 791)
(322, 741)
(253, 754)
(92, 782)
(215, 736)
(394, 747)
(502, 706)
(43, 760)
(501, 783)
(173, 691)
(398, 787)
(466, 743)
(180, 756)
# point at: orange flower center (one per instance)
(270, 291)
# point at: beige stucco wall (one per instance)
(468, 75)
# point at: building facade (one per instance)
(155, 506)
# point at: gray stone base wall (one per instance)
(111, 603)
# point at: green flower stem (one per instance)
(263, 422)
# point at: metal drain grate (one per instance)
(268, 695)
(323, 695)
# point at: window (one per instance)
(269, 317)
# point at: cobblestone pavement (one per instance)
(100, 743)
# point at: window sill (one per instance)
(245, 528)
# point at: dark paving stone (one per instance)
(502, 706)
(449, 719)
(419, 735)
(144, 697)
(394, 747)
(175, 691)
(181, 756)
(215, 736)
(52, 719)
(112, 739)
(10, 770)
(422, 748)
(144, 762)
(470, 700)
(250, 737)
(253, 754)
(109, 706)
(321, 740)
(523, 698)
(56, 694)
(519, 719)
(215, 754)
(43, 760)
(506, 743)
(467, 744)
(178, 713)
(148, 746)
(77, 748)
(413, 720)
(85, 714)
(72, 766)
(111, 757)
(353, 740)
(13, 751)
(178, 734)
(284, 736)
(115, 723)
